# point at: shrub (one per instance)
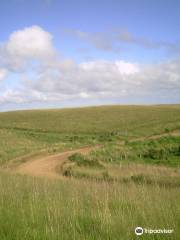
(166, 130)
(67, 172)
(81, 160)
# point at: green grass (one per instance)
(14, 143)
(99, 164)
(23, 132)
(82, 160)
(40, 209)
(120, 120)
(108, 192)
(163, 151)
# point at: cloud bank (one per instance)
(44, 77)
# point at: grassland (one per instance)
(24, 132)
(40, 209)
(122, 120)
(132, 180)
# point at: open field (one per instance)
(123, 120)
(24, 132)
(94, 173)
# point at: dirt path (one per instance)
(46, 166)
(174, 133)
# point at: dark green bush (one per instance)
(81, 160)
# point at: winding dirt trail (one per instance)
(46, 166)
(174, 133)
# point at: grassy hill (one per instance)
(132, 180)
(130, 120)
(23, 132)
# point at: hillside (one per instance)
(24, 132)
(85, 172)
(123, 119)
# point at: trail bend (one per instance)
(46, 166)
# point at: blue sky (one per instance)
(73, 53)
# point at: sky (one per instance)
(68, 53)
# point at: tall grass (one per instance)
(39, 209)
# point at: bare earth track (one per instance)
(46, 166)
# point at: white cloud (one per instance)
(127, 68)
(107, 80)
(120, 67)
(32, 42)
(12, 96)
(29, 44)
(3, 73)
(99, 81)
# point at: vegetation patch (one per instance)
(163, 151)
(82, 160)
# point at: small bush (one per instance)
(81, 160)
(67, 172)
(166, 130)
(156, 153)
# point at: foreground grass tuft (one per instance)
(40, 209)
